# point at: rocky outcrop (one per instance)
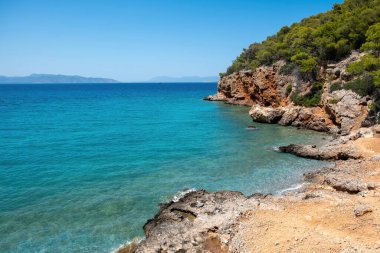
(347, 109)
(269, 92)
(330, 198)
(312, 118)
(216, 97)
(337, 71)
(266, 114)
(332, 152)
(265, 86)
(198, 222)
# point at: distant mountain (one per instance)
(185, 79)
(47, 78)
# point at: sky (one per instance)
(136, 40)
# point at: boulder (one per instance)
(266, 114)
(362, 209)
(216, 97)
(348, 111)
(290, 114)
(351, 186)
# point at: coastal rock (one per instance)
(264, 86)
(348, 113)
(313, 118)
(351, 186)
(334, 152)
(289, 116)
(216, 97)
(266, 114)
(197, 222)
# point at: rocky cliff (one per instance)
(269, 93)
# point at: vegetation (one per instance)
(288, 89)
(310, 99)
(363, 86)
(318, 39)
(333, 101)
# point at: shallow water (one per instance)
(82, 167)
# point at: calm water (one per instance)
(83, 166)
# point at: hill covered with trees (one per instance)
(321, 39)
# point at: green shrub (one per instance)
(335, 86)
(333, 101)
(289, 89)
(363, 86)
(317, 86)
(367, 64)
(288, 68)
(308, 100)
(373, 39)
(313, 98)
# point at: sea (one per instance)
(83, 166)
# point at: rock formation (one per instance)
(269, 92)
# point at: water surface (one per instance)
(83, 166)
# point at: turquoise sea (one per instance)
(83, 166)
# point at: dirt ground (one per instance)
(324, 220)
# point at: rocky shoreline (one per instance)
(228, 221)
(324, 215)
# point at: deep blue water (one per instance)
(83, 166)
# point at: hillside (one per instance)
(50, 79)
(306, 73)
(317, 40)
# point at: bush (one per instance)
(289, 89)
(367, 64)
(288, 68)
(313, 98)
(363, 86)
(335, 86)
(308, 100)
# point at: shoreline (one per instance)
(213, 221)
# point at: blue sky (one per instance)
(135, 40)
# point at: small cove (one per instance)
(82, 167)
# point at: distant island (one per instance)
(48, 78)
(184, 79)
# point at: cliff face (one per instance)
(269, 92)
(264, 86)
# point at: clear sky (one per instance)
(135, 40)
